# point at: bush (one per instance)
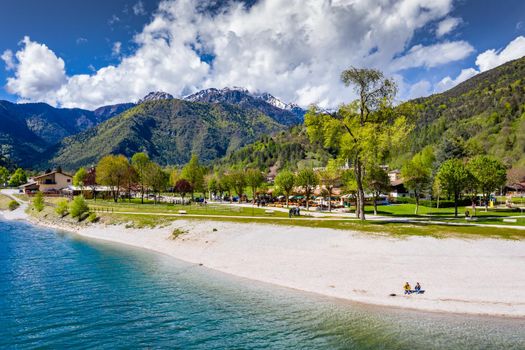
(62, 208)
(38, 202)
(13, 205)
(92, 217)
(78, 207)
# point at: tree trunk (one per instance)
(417, 202)
(360, 189)
(437, 203)
(307, 194)
(330, 202)
(456, 195)
(287, 200)
(375, 204)
(486, 202)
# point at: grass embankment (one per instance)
(157, 215)
(4, 202)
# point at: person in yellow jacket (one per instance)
(407, 288)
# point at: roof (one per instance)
(395, 171)
(397, 182)
(51, 173)
(28, 184)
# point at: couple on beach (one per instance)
(416, 290)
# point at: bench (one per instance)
(269, 211)
(182, 212)
(510, 220)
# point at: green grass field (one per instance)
(407, 210)
(4, 202)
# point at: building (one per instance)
(397, 184)
(50, 182)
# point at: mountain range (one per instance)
(210, 123)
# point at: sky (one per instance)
(87, 54)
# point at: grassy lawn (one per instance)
(409, 209)
(198, 209)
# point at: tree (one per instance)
(78, 207)
(238, 182)
(79, 178)
(285, 182)
(18, 178)
(62, 208)
(417, 173)
(437, 190)
(91, 181)
(363, 130)
(489, 174)
(183, 187)
(329, 178)
(130, 181)
(254, 178)
(308, 180)
(140, 162)
(212, 185)
(4, 176)
(112, 171)
(38, 201)
(454, 177)
(194, 173)
(226, 183)
(156, 179)
(377, 182)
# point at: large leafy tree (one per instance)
(254, 179)
(140, 162)
(361, 131)
(79, 179)
(417, 173)
(238, 182)
(308, 180)
(4, 176)
(157, 179)
(376, 181)
(194, 173)
(285, 182)
(182, 187)
(329, 178)
(112, 171)
(18, 178)
(455, 178)
(489, 175)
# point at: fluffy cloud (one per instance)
(138, 9)
(492, 58)
(8, 59)
(294, 49)
(39, 73)
(116, 48)
(447, 25)
(485, 61)
(433, 55)
(447, 82)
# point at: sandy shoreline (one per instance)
(475, 276)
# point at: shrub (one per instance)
(62, 208)
(92, 217)
(78, 207)
(443, 203)
(13, 205)
(38, 202)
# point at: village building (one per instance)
(52, 182)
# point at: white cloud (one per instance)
(293, 49)
(448, 83)
(81, 40)
(420, 89)
(39, 73)
(138, 8)
(485, 61)
(492, 58)
(433, 55)
(447, 25)
(116, 48)
(8, 59)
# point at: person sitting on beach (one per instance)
(417, 288)
(407, 288)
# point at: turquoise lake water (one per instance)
(61, 291)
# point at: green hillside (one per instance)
(170, 131)
(483, 115)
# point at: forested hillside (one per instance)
(483, 115)
(169, 131)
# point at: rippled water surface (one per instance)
(61, 291)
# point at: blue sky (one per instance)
(87, 54)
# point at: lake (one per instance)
(62, 291)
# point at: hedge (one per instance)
(443, 203)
